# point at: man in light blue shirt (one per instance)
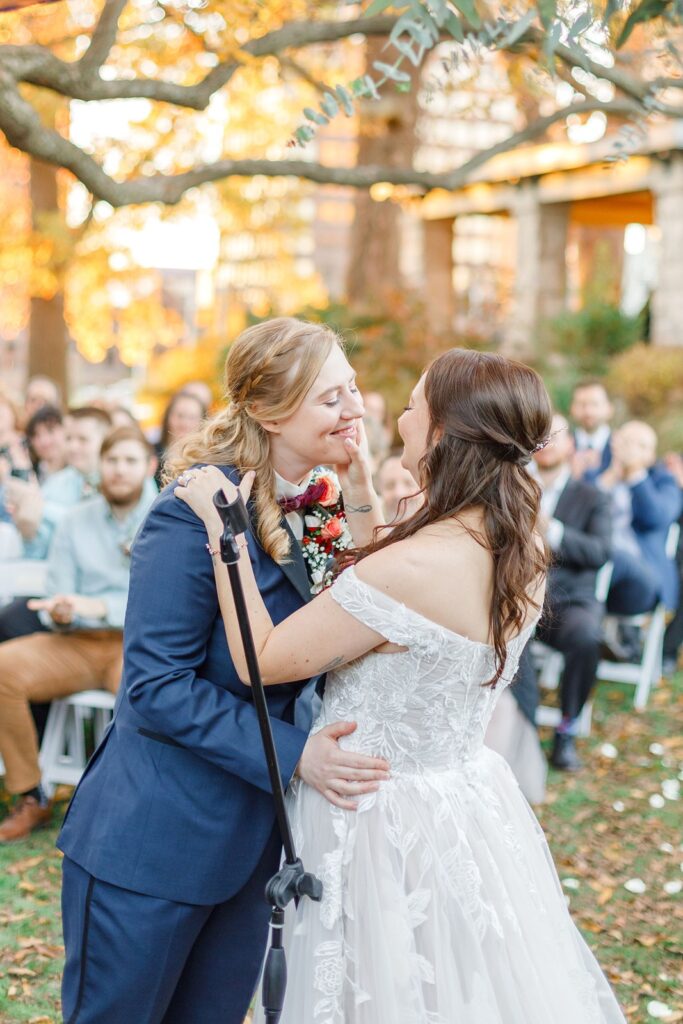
(39, 512)
(83, 612)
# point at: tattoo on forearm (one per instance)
(333, 664)
(358, 508)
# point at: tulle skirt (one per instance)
(441, 906)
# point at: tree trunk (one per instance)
(387, 138)
(47, 353)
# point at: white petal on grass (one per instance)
(571, 883)
(656, 748)
(672, 888)
(609, 750)
(635, 885)
(658, 1010)
(666, 848)
(618, 805)
(671, 788)
(657, 800)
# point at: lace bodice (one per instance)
(424, 708)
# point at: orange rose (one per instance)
(332, 529)
(330, 495)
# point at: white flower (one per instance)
(312, 522)
(671, 789)
(658, 1010)
(635, 885)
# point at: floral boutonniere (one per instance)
(326, 531)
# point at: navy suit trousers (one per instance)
(136, 959)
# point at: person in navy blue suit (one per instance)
(170, 836)
(646, 500)
(591, 412)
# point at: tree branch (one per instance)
(301, 72)
(36, 65)
(104, 36)
(458, 178)
(23, 128)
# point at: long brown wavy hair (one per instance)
(487, 414)
(269, 369)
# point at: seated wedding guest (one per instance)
(182, 416)
(201, 390)
(577, 524)
(377, 429)
(84, 432)
(14, 460)
(37, 510)
(646, 500)
(394, 483)
(46, 442)
(673, 638)
(88, 575)
(592, 412)
(121, 416)
(41, 391)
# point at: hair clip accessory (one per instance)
(546, 441)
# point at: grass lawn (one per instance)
(618, 823)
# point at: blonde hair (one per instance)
(269, 370)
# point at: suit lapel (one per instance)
(563, 509)
(295, 567)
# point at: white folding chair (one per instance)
(647, 672)
(22, 577)
(63, 750)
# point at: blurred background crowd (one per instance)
(76, 482)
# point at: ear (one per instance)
(271, 426)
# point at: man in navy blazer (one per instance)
(591, 412)
(171, 830)
(646, 500)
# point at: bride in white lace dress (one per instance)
(441, 903)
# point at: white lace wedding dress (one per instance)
(441, 903)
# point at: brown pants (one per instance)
(42, 667)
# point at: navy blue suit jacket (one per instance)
(175, 802)
(591, 475)
(655, 505)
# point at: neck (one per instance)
(52, 465)
(87, 474)
(290, 467)
(121, 509)
(550, 475)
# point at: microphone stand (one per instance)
(291, 881)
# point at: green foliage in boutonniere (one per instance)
(326, 531)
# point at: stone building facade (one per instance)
(557, 202)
